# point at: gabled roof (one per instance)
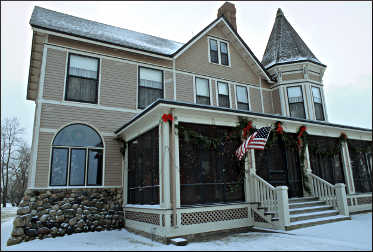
(60, 22)
(285, 45)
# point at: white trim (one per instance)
(100, 43)
(305, 104)
(301, 85)
(78, 187)
(195, 90)
(261, 94)
(174, 77)
(217, 93)
(89, 105)
(65, 75)
(218, 40)
(298, 81)
(99, 81)
(310, 101)
(247, 92)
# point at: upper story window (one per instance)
(242, 98)
(223, 94)
(202, 91)
(77, 157)
(150, 86)
(296, 104)
(82, 79)
(219, 52)
(317, 101)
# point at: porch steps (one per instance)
(310, 211)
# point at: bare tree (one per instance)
(11, 133)
(19, 171)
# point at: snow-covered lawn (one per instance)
(346, 235)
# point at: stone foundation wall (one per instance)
(57, 212)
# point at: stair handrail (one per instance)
(323, 190)
(265, 193)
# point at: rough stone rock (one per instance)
(79, 210)
(55, 207)
(14, 240)
(66, 206)
(34, 219)
(31, 232)
(54, 230)
(61, 231)
(95, 222)
(43, 230)
(23, 210)
(69, 212)
(85, 228)
(99, 228)
(60, 218)
(39, 202)
(73, 221)
(45, 211)
(32, 199)
(18, 231)
(80, 223)
(59, 212)
(44, 217)
(19, 221)
(69, 230)
(52, 212)
(75, 206)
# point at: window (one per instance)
(82, 79)
(296, 106)
(202, 91)
(143, 172)
(223, 94)
(209, 175)
(214, 51)
(242, 98)
(219, 51)
(361, 162)
(150, 86)
(317, 103)
(77, 157)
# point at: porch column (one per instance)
(165, 165)
(250, 173)
(125, 176)
(177, 163)
(307, 170)
(347, 169)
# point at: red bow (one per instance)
(247, 129)
(167, 117)
(344, 136)
(279, 129)
(302, 130)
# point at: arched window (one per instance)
(77, 157)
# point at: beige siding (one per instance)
(54, 79)
(314, 77)
(43, 159)
(276, 101)
(292, 76)
(195, 60)
(213, 92)
(108, 51)
(169, 85)
(267, 101)
(113, 162)
(184, 88)
(265, 84)
(118, 84)
(55, 116)
(232, 95)
(255, 100)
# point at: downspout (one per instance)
(172, 169)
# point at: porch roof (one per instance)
(206, 114)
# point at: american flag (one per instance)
(256, 141)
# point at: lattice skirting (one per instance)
(143, 217)
(258, 218)
(213, 216)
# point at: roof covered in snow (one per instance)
(285, 45)
(60, 22)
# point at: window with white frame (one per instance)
(296, 103)
(82, 79)
(317, 101)
(219, 51)
(242, 98)
(202, 91)
(223, 94)
(77, 157)
(150, 86)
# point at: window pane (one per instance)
(224, 101)
(316, 92)
(77, 167)
(241, 94)
(319, 111)
(78, 135)
(243, 106)
(294, 92)
(224, 53)
(297, 110)
(94, 167)
(203, 100)
(59, 166)
(214, 51)
(224, 59)
(79, 89)
(151, 78)
(202, 87)
(213, 45)
(223, 47)
(223, 88)
(148, 96)
(83, 66)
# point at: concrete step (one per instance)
(312, 215)
(317, 221)
(302, 199)
(306, 204)
(309, 209)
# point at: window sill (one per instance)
(81, 102)
(220, 64)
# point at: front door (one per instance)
(280, 166)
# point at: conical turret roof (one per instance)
(285, 45)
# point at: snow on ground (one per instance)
(355, 234)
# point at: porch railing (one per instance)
(265, 193)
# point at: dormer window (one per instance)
(317, 101)
(218, 52)
(296, 104)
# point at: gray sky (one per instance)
(338, 33)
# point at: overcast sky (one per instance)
(338, 33)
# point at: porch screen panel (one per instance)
(209, 175)
(143, 169)
(361, 162)
(323, 164)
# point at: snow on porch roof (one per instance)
(212, 109)
(60, 22)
